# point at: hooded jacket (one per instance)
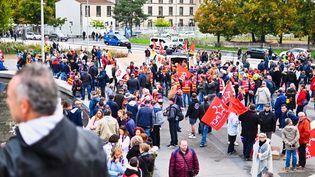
(291, 136)
(263, 95)
(66, 151)
(304, 130)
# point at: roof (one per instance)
(100, 2)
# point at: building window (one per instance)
(171, 1)
(181, 10)
(149, 23)
(161, 1)
(170, 10)
(191, 11)
(171, 21)
(191, 22)
(150, 10)
(160, 11)
(181, 1)
(87, 11)
(181, 22)
(109, 11)
(98, 11)
(191, 1)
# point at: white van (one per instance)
(166, 42)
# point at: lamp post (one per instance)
(42, 30)
(87, 21)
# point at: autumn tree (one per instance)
(5, 15)
(217, 17)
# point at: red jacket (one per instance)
(178, 166)
(312, 86)
(301, 97)
(304, 127)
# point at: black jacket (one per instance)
(146, 163)
(249, 121)
(133, 152)
(267, 121)
(66, 151)
(193, 109)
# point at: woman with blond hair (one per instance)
(94, 121)
(117, 163)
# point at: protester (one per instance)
(144, 118)
(290, 136)
(117, 164)
(249, 121)
(134, 147)
(267, 121)
(124, 140)
(107, 126)
(263, 97)
(304, 128)
(232, 129)
(146, 160)
(171, 114)
(193, 114)
(204, 128)
(95, 120)
(262, 157)
(33, 104)
(158, 120)
(133, 168)
(183, 162)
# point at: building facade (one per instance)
(178, 12)
(81, 13)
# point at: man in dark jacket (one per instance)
(184, 161)
(144, 118)
(171, 113)
(93, 72)
(267, 121)
(39, 144)
(113, 106)
(73, 113)
(133, 84)
(86, 79)
(204, 127)
(193, 114)
(249, 121)
(102, 80)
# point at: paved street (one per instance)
(214, 162)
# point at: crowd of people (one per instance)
(127, 111)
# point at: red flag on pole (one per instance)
(192, 47)
(154, 45)
(310, 147)
(161, 48)
(216, 114)
(183, 72)
(228, 93)
(237, 106)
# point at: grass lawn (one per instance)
(140, 40)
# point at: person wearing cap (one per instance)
(133, 169)
(133, 84)
(267, 121)
(193, 114)
(249, 122)
(262, 157)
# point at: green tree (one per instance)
(129, 12)
(5, 15)
(97, 24)
(305, 25)
(161, 22)
(217, 17)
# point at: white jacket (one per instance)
(232, 126)
(263, 160)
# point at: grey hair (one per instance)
(37, 84)
(136, 140)
(287, 121)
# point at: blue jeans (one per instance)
(147, 131)
(288, 155)
(204, 132)
(201, 95)
(247, 146)
(184, 98)
(260, 107)
(89, 89)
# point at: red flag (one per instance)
(154, 45)
(185, 45)
(183, 72)
(192, 47)
(216, 114)
(237, 106)
(310, 147)
(228, 93)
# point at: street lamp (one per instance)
(87, 19)
(42, 30)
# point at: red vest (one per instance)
(186, 85)
(245, 84)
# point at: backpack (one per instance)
(159, 118)
(179, 114)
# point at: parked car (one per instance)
(58, 37)
(296, 52)
(33, 36)
(260, 53)
(116, 40)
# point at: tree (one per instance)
(97, 24)
(5, 15)
(217, 17)
(130, 12)
(305, 25)
(160, 22)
